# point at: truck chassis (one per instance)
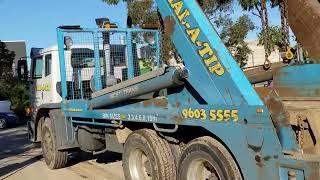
(198, 120)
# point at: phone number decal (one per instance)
(218, 115)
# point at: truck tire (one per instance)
(206, 158)
(176, 152)
(54, 158)
(147, 156)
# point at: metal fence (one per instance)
(92, 60)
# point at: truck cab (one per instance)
(44, 77)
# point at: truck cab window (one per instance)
(48, 59)
(37, 67)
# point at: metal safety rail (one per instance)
(94, 59)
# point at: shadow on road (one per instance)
(14, 141)
(109, 157)
(16, 151)
(7, 170)
(104, 158)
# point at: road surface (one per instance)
(22, 160)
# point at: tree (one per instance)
(112, 2)
(145, 12)
(11, 88)
(233, 34)
(276, 37)
(285, 29)
(6, 73)
(214, 7)
(6, 61)
(259, 9)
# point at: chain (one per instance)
(302, 127)
(267, 62)
(300, 137)
(284, 22)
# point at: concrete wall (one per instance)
(257, 56)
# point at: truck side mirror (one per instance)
(22, 69)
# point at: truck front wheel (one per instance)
(206, 158)
(147, 156)
(54, 158)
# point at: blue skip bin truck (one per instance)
(108, 89)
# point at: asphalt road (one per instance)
(22, 160)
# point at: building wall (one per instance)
(257, 57)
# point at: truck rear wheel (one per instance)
(147, 156)
(205, 158)
(54, 158)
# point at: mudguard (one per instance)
(63, 130)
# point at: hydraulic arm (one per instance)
(205, 55)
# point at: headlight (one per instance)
(28, 110)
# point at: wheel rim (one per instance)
(2, 123)
(201, 169)
(139, 165)
(47, 145)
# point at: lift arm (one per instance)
(214, 73)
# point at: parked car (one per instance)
(7, 116)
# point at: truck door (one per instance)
(47, 80)
(36, 87)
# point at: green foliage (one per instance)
(211, 7)
(233, 34)
(142, 12)
(145, 65)
(259, 8)
(112, 2)
(6, 60)
(19, 94)
(249, 5)
(6, 74)
(11, 87)
(275, 38)
(241, 54)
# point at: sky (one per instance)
(35, 21)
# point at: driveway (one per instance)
(22, 160)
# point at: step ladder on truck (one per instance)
(196, 121)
